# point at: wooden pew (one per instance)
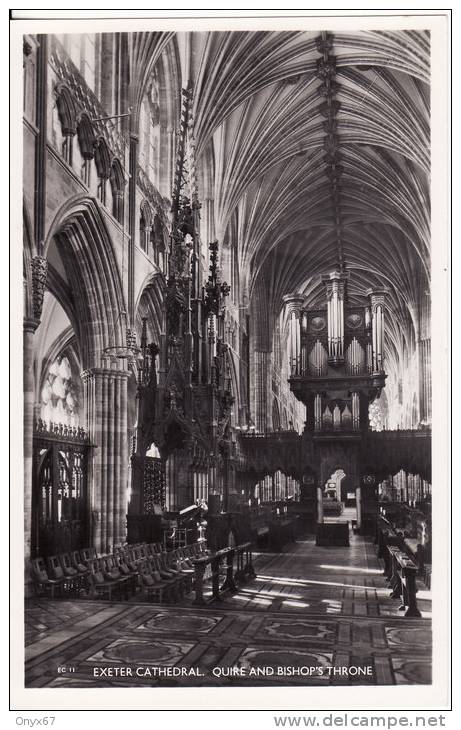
(402, 580)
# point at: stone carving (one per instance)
(215, 291)
(39, 272)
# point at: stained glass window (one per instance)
(59, 400)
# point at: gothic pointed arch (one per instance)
(145, 225)
(150, 304)
(145, 51)
(67, 110)
(102, 158)
(83, 243)
(117, 183)
(86, 137)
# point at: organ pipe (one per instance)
(298, 341)
(294, 304)
(336, 417)
(317, 359)
(335, 286)
(367, 318)
(355, 411)
(377, 301)
(318, 411)
(369, 357)
(295, 343)
(354, 357)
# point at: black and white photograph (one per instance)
(228, 278)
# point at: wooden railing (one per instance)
(234, 562)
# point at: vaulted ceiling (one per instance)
(259, 114)
(258, 101)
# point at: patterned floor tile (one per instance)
(297, 629)
(175, 622)
(313, 616)
(412, 671)
(139, 651)
(418, 639)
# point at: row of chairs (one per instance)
(185, 555)
(157, 574)
(64, 574)
(163, 575)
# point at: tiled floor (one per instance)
(313, 616)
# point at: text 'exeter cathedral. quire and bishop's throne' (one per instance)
(227, 312)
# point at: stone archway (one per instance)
(84, 277)
(338, 501)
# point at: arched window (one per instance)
(59, 396)
(84, 51)
(145, 226)
(89, 59)
(87, 143)
(149, 131)
(117, 184)
(102, 159)
(67, 117)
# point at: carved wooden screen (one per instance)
(154, 485)
(60, 516)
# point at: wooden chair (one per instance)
(129, 571)
(77, 563)
(87, 554)
(183, 568)
(56, 571)
(43, 584)
(112, 572)
(154, 548)
(152, 586)
(77, 573)
(177, 582)
(99, 586)
(135, 555)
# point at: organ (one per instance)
(337, 356)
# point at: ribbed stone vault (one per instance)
(260, 145)
(257, 118)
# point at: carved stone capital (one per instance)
(26, 48)
(39, 271)
(30, 325)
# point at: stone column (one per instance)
(39, 269)
(425, 380)
(320, 504)
(262, 412)
(106, 399)
(170, 157)
(358, 502)
(132, 222)
(30, 326)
